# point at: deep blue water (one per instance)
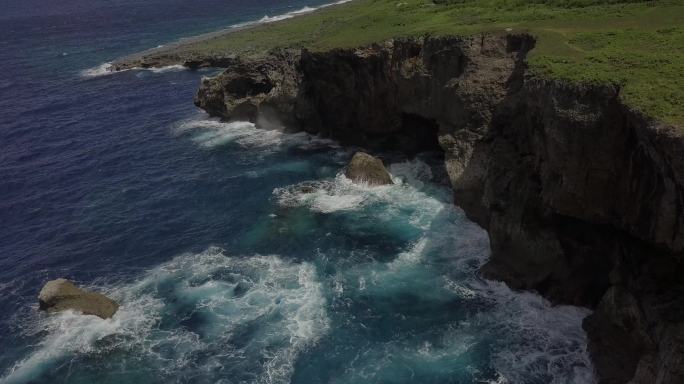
(226, 268)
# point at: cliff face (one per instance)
(581, 196)
(584, 202)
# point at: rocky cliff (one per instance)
(582, 197)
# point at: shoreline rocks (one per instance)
(61, 295)
(364, 168)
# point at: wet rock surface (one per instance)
(364, 168)
(61, 295)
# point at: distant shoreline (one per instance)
(179, 52)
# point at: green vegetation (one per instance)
(639, 45)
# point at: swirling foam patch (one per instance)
(190, 317)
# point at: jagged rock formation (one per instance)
(61, 295)
(582, 197)
(258, 90)
(172, 55)
(364, 168)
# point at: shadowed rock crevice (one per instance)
(247, 85)
(582, 197)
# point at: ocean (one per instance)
(238, 255)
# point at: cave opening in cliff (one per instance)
(420, 134)
(416, 134)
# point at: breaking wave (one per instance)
(100, 70)
(106, 69)
(405, 196)
(212, 133)
(250, 315)
(288, 15)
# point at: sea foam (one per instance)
(100, 70)
(341, 194)
(212, 133)
(529, 336)
(106, 69)
(302, 11)
(258, 313)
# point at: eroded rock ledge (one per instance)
(582, 197)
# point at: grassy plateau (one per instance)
(639, 45)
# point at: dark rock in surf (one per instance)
(364, 168)
(61, 295)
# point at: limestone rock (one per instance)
(61, 295)
(261, 90)
(364, 168)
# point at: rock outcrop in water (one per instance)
(169, 56)
(61, 295)
(364, 168)
(582, 196)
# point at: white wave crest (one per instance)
(100, 70)
(212, 133)
(302, 11)
(168, 68)
(268, 19)
(106, 69)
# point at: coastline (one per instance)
(180, 53)
(555, 232)
(246, 254)
(592, 43)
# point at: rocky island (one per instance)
(578, 181)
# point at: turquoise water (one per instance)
(238, 255)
